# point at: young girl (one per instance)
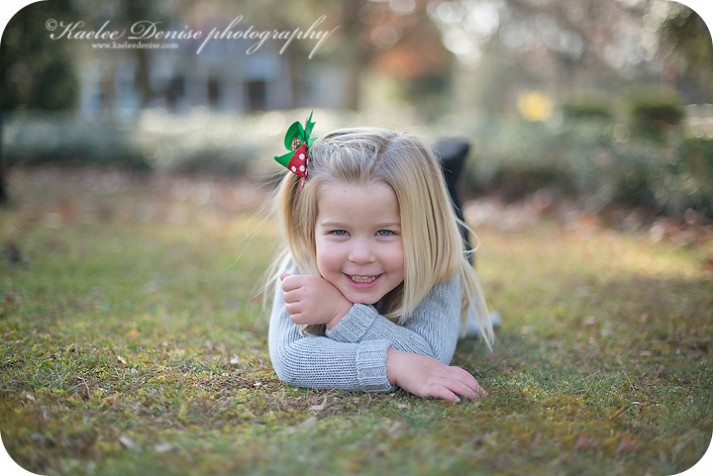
(374, 286)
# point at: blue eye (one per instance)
(386, 233)
(338, 232)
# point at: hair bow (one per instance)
(298, 142)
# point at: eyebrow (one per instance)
(334, 224)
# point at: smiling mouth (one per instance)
(362, 279)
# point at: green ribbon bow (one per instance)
(298, 142)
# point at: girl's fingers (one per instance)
(290, 282)
(464, 384)
(462, 389)
(458, 387)
(297, 318)
(293, 309)
(465, 377)
(435, 390)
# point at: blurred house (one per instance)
(223, 76)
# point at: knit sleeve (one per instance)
(432, 330)
(323, 363)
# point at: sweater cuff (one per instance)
(371, 366)
(353, 325)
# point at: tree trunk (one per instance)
(356, 56)
(3, 192)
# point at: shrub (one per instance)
(231, 162)
(654, 111)
(167, 143)
(587, 159)
(34, 139)
(586, 109)
(694, 174)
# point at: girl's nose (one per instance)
(360, 253)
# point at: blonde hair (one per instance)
(432, 244)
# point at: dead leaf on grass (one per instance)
(708, 265)
(394, 428)
(585, 443)
(320, 407)
(620, 412)
(128, 443)
(628, 445)
(163, 447)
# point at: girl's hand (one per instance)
(313, 300)
(425, 376)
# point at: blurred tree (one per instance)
(37, 72)
(3, 191)
(135, 10)
(402, 40)
(566, 47)
(686, 42)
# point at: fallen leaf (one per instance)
(121, 359)
(590, 321)
(133, 334)
(628, 445)
(128, 443)
(585, 443)
(394, 428)
(163, 447)
(320, 407)
(708, 265)
(620, 412)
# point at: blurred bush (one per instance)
(604, 162)
(58, 138)
(199, 141)
(165, 143)
(586, 108)
(654, 111)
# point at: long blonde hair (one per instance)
(432, 243)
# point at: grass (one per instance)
(133, 343)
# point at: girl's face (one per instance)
(358, 239)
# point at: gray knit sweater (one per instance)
(352, 355)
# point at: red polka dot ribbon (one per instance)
(297, 142)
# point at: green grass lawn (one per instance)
(133, 342)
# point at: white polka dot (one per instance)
(302, 168)
(293, 169)
(302, 157)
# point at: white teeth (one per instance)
(362, 279)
